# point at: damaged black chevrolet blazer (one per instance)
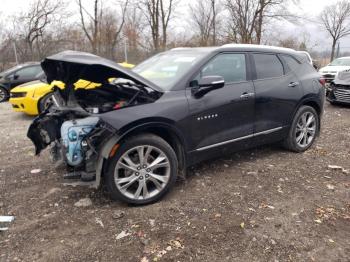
(137, 132)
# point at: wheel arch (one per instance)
(312, 102)
(7, 90)
(314, 105)
(166, 131)
(40, 100)
(5, 87)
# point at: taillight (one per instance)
(322, 81)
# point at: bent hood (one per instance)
(70, 66)
(333, 69)
(343, 78)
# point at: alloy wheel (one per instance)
(142, 172)
(305, 130)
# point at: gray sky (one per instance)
(318, 38)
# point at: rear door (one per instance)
(224, 114)
(277, 92)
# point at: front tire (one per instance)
(303, 131)
(143, 170)
(4, 94)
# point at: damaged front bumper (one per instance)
(338, 94)
(78, 141)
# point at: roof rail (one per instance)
(257, 46)
(179, 48)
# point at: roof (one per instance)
(16, 67)
(238, 47)
(31, 63)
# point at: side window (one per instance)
(267, 66)
(28, 72)
(232, 67)
(291, 62)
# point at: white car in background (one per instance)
(330, 71)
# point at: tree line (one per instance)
(144, 27)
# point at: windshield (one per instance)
(341, 62)
(166, 69)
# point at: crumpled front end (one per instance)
(72, 126)
(339, 90)
(75, 141)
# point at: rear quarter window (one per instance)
(267, 66)
(291, 62)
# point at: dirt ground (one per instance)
(264, 204)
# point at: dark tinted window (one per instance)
(29, 72)
(291, 62)
(232, 67)
(267, 66)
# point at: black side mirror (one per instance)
(206, 84)
(15, 77)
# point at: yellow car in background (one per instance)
(33, 97)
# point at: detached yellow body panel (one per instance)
(26, 98)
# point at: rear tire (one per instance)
(303, 131)
(4, 94)
(45, 102)
(142, 171)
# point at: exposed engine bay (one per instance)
(73, 133)
(110, 97)
(74, 130)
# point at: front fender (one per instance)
(102, 158)
(124, 132)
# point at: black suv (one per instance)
(18, 75)
(138, 132)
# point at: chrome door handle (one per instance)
(246, 95)
(293, 84)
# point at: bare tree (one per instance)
(102, 23)
(91, 30)
(133, 32)
(243, 18)
(247, 17)
(40, 15)
(158, 14)
(335, 19)
(204, 17)
(214, 9)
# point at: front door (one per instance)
(225, 115)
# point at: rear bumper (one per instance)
(26, 105)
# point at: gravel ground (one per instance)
(265, 204)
